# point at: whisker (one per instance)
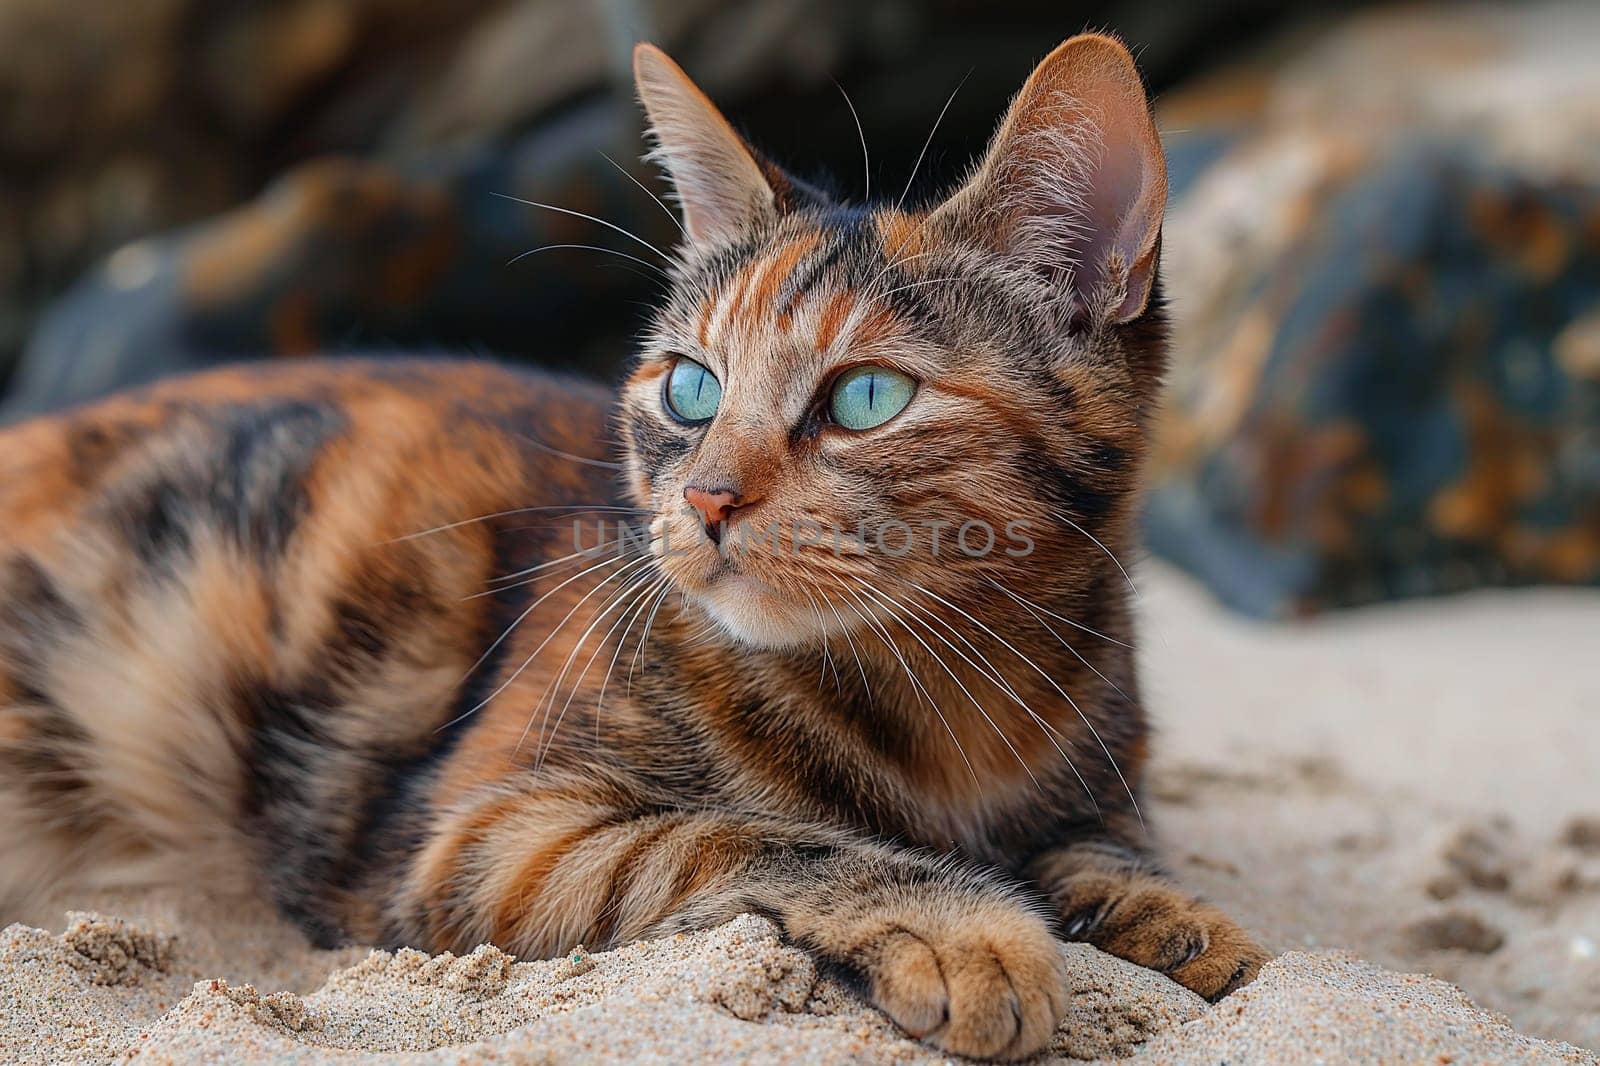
(604, 464)
(988, 670)
(565, 560)
(827, 655)
(888, 642)
(520, 670)
(526, 612)
(556, 524)
(514, 260)
(896, 262)
(527, 575)
(884, 637)
(524, 578)
(709, 626)
(645, 636)
(625, 597)
(1064, 618)
(632, 236)
(890, 602)
(1102, 547)
(909, 285)
(995, 677)
(849, 640)
(1026, 606)
(581, 508)
(641, 605)
(629, 175)
(1052, 682)
(918, 164)
(866, 160)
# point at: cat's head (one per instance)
(872, 409)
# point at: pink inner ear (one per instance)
(1123, 189)
(1124, 210)
(1077, 177)
(718, 182)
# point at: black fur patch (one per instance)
(242, 475)
(47, 759)
(34, 616)
(1084, 496)
(656, 447)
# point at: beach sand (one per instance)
(1401, 791)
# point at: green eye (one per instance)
(869, 396)
(692, 393)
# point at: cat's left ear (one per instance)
(722, 184)
(1074, 182)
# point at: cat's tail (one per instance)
(120, 760)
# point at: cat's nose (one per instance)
(714, 505)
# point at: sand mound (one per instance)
(111, 989)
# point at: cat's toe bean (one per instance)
(908, 985)
(1230, 960)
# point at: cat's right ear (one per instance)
(720, 182)
(1074, 183)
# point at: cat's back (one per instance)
(254, 437)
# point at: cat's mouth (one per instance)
(722, 581)
(756, 613)
(726, 579)
(747, 607)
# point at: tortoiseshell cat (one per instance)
(323, 624)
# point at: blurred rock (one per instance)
(1583, 832)
(1482, 854)
(1386, 281)
(346, 255)
(120, 119)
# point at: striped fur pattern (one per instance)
(323, 628)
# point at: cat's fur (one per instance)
(258, 624)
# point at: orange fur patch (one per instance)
(718, 852)
(703, 328)
(901, 233)
(741, 286)
(832, 319)
(781, 266)
(878, 324)
(530, 880)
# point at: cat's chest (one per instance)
(798, 752)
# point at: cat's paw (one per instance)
(1153, 924)
(986, 981)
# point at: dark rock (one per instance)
(1388, 354)
(349, 255)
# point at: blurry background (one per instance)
(1383, 247)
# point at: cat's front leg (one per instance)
(1113, 896)
(954, 956)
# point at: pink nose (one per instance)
(714, 505)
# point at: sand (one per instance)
(1403, 789)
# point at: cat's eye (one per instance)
(869, 396)
(692, 392)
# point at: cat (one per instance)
(330, 630)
